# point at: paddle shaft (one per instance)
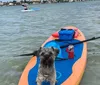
(34, 53)
(93, 38)
(29, 54)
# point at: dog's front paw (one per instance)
(38, 81)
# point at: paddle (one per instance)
(93, 38)
(35, 53)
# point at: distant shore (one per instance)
(14, 3)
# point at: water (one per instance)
(24, 32)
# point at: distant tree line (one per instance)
(14, 2)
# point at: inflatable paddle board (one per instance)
(29, 10)
(68, 71)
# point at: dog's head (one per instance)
(47, 56)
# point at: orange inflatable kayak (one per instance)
(69, 71)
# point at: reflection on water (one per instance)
(23, 32)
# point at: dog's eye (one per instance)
(50, 53)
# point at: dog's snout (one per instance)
(46, 55)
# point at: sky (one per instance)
(5, 0)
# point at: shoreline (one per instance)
(14, 3)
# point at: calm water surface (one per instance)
(23, 32)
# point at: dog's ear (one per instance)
(55, 50)
(36, 52)
(40, 49)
